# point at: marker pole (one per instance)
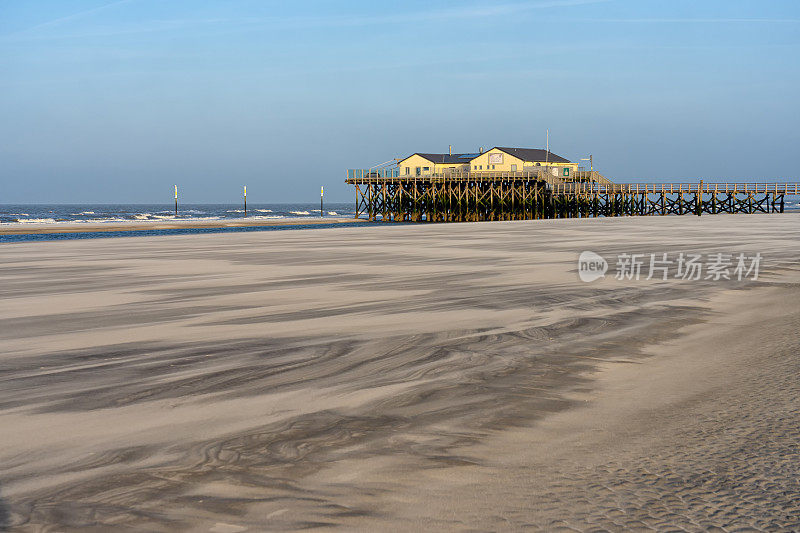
(245, 200)
(321, 192)
(176, 200)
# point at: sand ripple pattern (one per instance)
(391, 378)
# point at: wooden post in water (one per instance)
(245, 200)
(176, 200)
(321, 192)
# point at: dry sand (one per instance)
(439, 377)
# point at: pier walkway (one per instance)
(384, 194)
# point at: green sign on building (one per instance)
(566, 172)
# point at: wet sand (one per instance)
(440, 377)
(149, 225)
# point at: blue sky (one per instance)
(116, 101)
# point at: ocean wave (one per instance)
(37, 220)
(97, 220)
(235, 211)
(300, 212)
(266, 217)
(333, 213)
(264, 210)
(155, 217)
(18, 214)
(84, 213)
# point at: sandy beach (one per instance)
(445, 377)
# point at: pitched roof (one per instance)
(455, 159)
(533, 154)
(526, 154)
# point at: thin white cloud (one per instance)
(698, 20)
(460, 13)
(75, 16)
(466, 12)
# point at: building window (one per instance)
(513, 168)
(426, 169)
(480, 167)
(418, 170)
(492, 167)
(475, 167)
(408, 171)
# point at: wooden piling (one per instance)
(466, 196)
(699, 199)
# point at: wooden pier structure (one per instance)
(476, 196)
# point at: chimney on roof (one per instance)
(481, 149)
(451, 149)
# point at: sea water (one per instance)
(55, 215)
(77, 213)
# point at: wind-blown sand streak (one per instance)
(445, 377)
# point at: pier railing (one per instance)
(372, 173)
(581, 182)
(461, 195)
(365, 176)
(673, 188)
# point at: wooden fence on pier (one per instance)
(477, 196)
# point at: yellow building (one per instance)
(498, 159)
(427, 164)
(501, 159)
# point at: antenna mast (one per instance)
(547, 155)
